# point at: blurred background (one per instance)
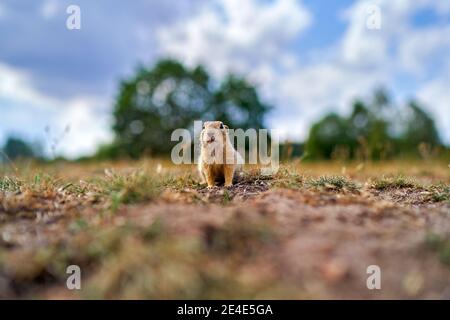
(343, 79)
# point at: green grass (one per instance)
(182, 182)
(128, 188)
(288, 178)
(439, 192)
(226, 197)
(111, 190)
(10, 184)
(398, 182)
(337, 183)
(439, 244)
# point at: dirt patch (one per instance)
(240, 191)
(318, 245)
(413, 197)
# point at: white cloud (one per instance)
(436, 96)
(88, 125)
(326, 85)
(361, 46)
(236, 36)
(30, 111)
(16, 84)
(49, 9)
(306, 93)
(422, 48)
(397, 34)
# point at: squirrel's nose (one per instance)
(210, 136)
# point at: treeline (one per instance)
(18, 148)
(158, 100)
(376, 129)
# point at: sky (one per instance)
(307, 57)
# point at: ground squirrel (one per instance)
(219, 161)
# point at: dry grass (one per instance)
(334, 183)
(398, 182)
(149, 229)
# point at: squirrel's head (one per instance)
(213, 132)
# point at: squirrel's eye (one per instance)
(221, 126)
(203, 127)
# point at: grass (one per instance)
(149, 258)
(337, 183)
(398, 182)
(288, 177)
(50, 193)
(9, 184)
(226, 197)
(182, 182)
(439, 192)
(129, 188)
(439, 244)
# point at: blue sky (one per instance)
(307, 57)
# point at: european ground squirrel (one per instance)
(219, 161)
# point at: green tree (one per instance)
(368, 132)
(328, 135)
(16, 148)
(419, 129)
(169, 96)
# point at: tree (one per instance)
(419, 129)
(328, 135)
(16, 148)
(168, 96)
(368, 132)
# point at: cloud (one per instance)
(49, 9)
(28, 112)
(424, 48)
(436, 95)
(64, 63)
(15, 84)
(89, 126)
(236, 36)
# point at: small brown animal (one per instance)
(219, 161)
